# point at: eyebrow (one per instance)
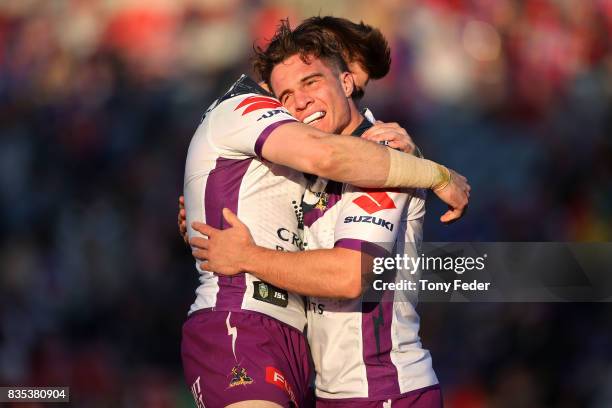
(306, 78)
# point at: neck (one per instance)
(356, 119)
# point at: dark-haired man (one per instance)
(359, 356)
(243, 342)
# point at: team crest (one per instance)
(240, 377)
(322, 203)
(263, 290)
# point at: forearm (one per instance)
(349, 159)
(370, 165)
(354, 161)
(334, 273)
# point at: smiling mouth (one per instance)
(313, 117)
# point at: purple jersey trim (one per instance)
(376, 320)
(379, 398)
(313, 215)
(266, 132)
(333, 189)
(362, 246)
(222, 190)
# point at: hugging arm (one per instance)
(361, 163)
(332, 272)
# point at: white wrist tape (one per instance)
(406, 170)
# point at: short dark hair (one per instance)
(305, 43)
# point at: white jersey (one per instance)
(224, 168)
(366, 350)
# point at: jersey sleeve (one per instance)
(414, 218)
(369, 220)
(416, 206)
(239, 126)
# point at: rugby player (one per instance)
(208, 290)
(385, 364)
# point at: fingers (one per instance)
(448, 216)
(380, 123)
(402, 145)
(181, 221)
(387, 135)
(199, 248)
(204, 229)
(200, 254)
(396, 136)
(199, 243)
(183, 231)
(182, 224)
(451, 215)
(377, 131)
(231, 218)
(181, 213)
(456, 194)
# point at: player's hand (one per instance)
(224, 251)
(395, 136)
(182, 220)
(456, 194)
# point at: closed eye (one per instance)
(311, 82)
(286, 97)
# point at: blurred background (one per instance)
(98, 102)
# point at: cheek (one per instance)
(334, 122)
(326, 124)
(291, 109)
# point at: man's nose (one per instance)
(302, 100)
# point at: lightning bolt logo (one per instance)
(378, 322)
(232, 331)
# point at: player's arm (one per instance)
(326, 272)
(342, 158)
(331, 273)
(361, 163)
(392, 134)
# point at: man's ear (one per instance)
(348, 83)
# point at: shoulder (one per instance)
(244, 93)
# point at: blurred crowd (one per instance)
(99, 99)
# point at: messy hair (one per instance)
(305, 43)
(360, 42)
